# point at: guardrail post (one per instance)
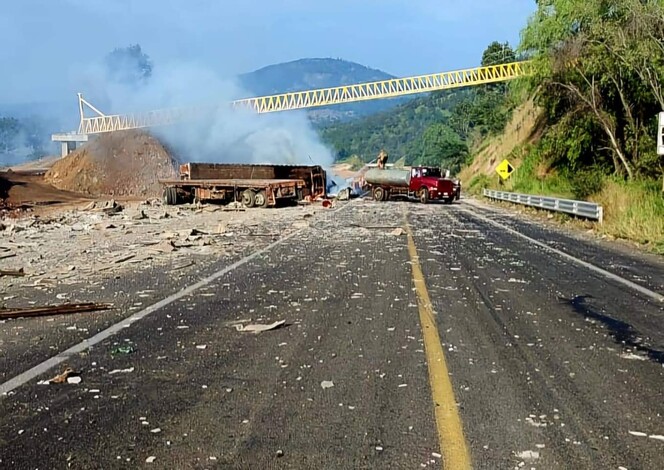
(600, 214)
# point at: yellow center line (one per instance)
(453, 446)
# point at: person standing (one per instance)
(382, 159)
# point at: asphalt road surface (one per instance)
(415, 337)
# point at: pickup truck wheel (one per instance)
(379, 194)
(170, 196)
(260, 199)
(424, 195)
(248, 198)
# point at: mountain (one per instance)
(309, 74)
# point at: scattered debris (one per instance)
(326, 384)
(528, 455)
(150, 459)
(633, 357)
(256, 328)
(124, 350)
(52, 310)
(656, 437)
(68, 375)
(121, 371)
(397, 232)
(12, 272)
(140, 216)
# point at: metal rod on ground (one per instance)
(52, 310)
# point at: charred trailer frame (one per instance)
(253, 185)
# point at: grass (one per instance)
(633, 211)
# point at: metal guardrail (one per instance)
(585, 209)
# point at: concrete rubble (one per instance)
(104, 239)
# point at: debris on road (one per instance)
(12, 272)
(257, 328)
(528, 455)
(397, 232)
(52, 310)
(68, 375)
(124, 350)
(325, 384)
(121, 371)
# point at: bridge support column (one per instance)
(69, 142)
(67, 148)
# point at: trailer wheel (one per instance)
(379, 194)
(170, 196)
(248, 198)
(261, 199)
(424, 195)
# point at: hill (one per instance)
(400, 131)
(307, 74)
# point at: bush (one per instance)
(587, 182)
(478, 183)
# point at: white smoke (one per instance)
(219, 134)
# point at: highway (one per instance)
(415, 336)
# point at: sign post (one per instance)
(660, 134)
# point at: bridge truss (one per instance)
(101, 123)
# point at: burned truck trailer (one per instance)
(254, 185)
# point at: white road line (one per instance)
(113, 329)
(614, 277)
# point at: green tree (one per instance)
(129, 65)
(10, 129)
(604, 60)
(442, 147)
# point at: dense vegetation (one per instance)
(22, 138)
(599, 77)
(437, 129)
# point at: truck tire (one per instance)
(248, 198)
(379, 194)
(260, 199)
(424, 195)
(170, 196)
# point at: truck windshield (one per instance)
(433, 172)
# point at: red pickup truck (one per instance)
(422, 182)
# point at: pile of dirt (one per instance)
(128, 163)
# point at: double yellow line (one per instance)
(453, 446)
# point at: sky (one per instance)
(48, 45)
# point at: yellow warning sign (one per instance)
(505, 169)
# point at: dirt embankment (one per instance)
(120, 164)
(525, 127)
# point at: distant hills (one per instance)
(298, 75)
(307, 74)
